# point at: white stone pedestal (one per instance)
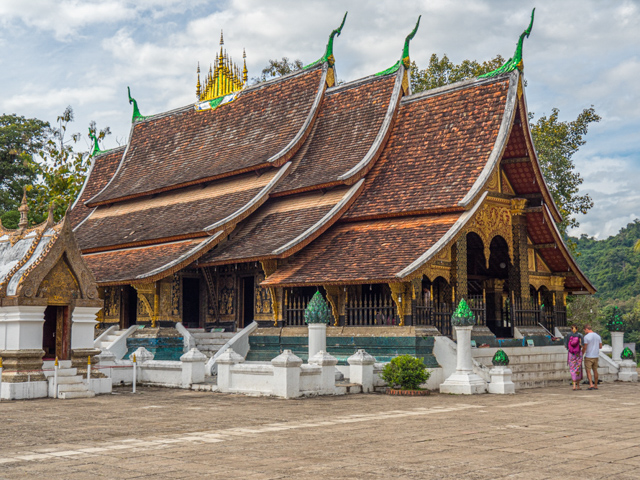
(617, 345)
(361, 370)
(501, 380)
(317, 338)
(328, 377)
(464, 381)
(225, 361)
(286, 375)
(628, 371)
(193, 367)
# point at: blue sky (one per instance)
(55, 53)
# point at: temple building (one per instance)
(394, 205)
(48, 306)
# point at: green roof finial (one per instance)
(405, 50)
(405, 53)
(136, 112)
(328, 53)
(515, 61)
(96, 147)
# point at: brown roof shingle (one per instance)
(277, 223)
(363, 251)
(186, 212)
(346, 127)
(104, 167)
(125, 265)
(437, 149)
(187, 146)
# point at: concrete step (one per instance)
(72, 387)
(344, 388)
(67, 380)
(64, 363)
(213, 335)
(208, 348)
(195, 330)
(211, 341)
(70, 395)
(67, 372)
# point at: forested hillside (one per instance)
(614, 268)
(611, 264)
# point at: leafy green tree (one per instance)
(556, 142)
(611, 264)
(46, 160)
(20, 140)
(278, 68)
(584, 310)
(442, 71)
(62, 169)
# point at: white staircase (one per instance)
(70, 384)
(210, 342)
(535, 367)
(115, 340)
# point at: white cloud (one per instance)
(581, 52)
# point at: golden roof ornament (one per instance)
(224, 78)
(23, 209)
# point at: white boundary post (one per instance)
(55, 378)
(89, 372)
(134, 373)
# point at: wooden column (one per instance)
(519, 274)
(459, 269)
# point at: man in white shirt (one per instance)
(592, 344)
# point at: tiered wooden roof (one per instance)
(363, 181)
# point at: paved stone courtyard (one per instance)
(170, 434)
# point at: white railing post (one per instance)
(89, 371)
(134, 373)
(55, 378)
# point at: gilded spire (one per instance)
(224, 76)
(244, 69)
(198, 84)
(23, 209)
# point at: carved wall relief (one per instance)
(227, 295)
(489, 222)
(112, 299)
(176, 295)
(262, 298)
(60, 285)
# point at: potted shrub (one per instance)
(404, 375)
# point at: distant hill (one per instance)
(611, 264)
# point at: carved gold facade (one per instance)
(492, 220)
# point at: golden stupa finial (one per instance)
(198, 84)
(224, 76)
(23, 209)
(245, 72)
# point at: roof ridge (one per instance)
(461, 85)
(358, 81)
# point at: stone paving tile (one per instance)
(162, 433)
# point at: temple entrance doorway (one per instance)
(248, 288)
(497, 292)
(56, 334)
(128, 307)
(191, 302)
